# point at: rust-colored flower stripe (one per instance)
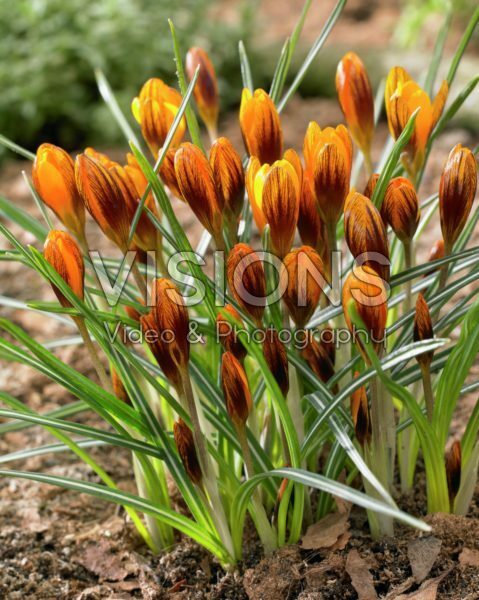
(400, 208)
(260, 126)
(331, 176)
(235, 389)
(228, 175)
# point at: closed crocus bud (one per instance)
(198, 188)
(400, 208)
(187, 450)
(102, 158)
(276, 358)
(453, 470)
(365, 233)
(402, 97)
(366, 289)
(318, 358)
(371, 185)
(456, 193)
(168, 174)
(246, 280)
(260, 126)
(133, 313)
(310, 226)
(225, 331)
(360, 415)
(303, 273)
(437, 251)
(54, 180)
(423, 329)
(103, 199)
(206, 88)
(235, 389)
(155, 110)
(228, 174)
(328, 158)
(62, 252)
(152, 334)
(356, 99)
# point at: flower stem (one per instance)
(89, 345)
(428, 393)
(409, 261)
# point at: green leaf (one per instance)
(437, 53)
(462, 46)
(14, 213)
(245, 68)
(4, 141)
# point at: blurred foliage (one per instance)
(415, 15)
(49, 50)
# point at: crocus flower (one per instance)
(453, 470)
(225, 330)
(235, 389)
(260, 126)
(206, 88)
(54, 180)
(185, 445)
(400, 208)
(64, 255)
(423, 329)
(360, 415)
(246, 280)
(276, 358)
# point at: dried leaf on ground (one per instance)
(469, 558)
(326, 532)
(362, 580)
(422, 553)
(428, 589)
(103, 560)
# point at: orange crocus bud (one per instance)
(246, 279)
(400, 208)
(328, 157)
(360, 415)
(402, 97)
(453, 470)
(235, 389)
(276, 358)
(423, 329)
(260, 126)
(303, 273)
(198, 188)
(62, 252)
(456, 193)
(102, 158)
(437, 251)
(317, 356)
(54, 179)
(365, 233)
(133, 313)
(310, 226)
(168, 174)
(228, 174)
(206, 88)
(356, 99)
(366, 289)
(186, 449)
(225, 330)
(371, 185)
(103, 199)
(155, 110)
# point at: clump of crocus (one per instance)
(155, 109)
(63, 253)
(423, 330)
(303, 277)
(357, 102)
(360, 415)
(260, 126)
(403, 96)
(274, 192)
(226, 331)
(186, 449)
(206, 88)
(365, 233)
(54, 180)
(453, 471)
(277, 359)
(246, 280)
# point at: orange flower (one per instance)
(316, 354)
(402, 97)
(228, 174)
(197, 185)
(423, 329)
(274, 192)
(453, 470)
(104, 199)
(310, 226)
(356, 99)
(328, 158)
(168, 174)
(260, 126)
(225, 331)
(138, 177)
(206, 88)
(365, 233)
(360, 415)
(102, 158)
(456, 193)
(371, 185)
(235, 389)
(365, 288)
(187, 450)
(301, 270)
(276, 358)
(62, 252)
(54, 179)
(155, 110)
(246, 279)
(400, 208)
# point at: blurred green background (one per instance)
(49, 49)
